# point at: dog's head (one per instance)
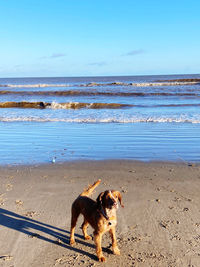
(109, 199)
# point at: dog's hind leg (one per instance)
(84, 229)
(74, 219)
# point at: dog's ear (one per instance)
(99, 199)
(119, 196)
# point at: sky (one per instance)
(55, 38)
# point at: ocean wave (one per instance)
(197, 80)
(23, 104)
(95, 93)
(54, 105)
(143, 84)
(81, 105)
(78, 105)
(93, 84)
(37, 85)
(103, 120)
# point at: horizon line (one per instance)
(96, 76)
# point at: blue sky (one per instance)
(98, 37)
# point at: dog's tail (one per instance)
(90, 189)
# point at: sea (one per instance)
(54, 120)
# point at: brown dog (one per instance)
(100, 214)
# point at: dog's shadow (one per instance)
(44, 232)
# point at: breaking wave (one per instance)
(102, 120)
(37, 85)
(95, 93)
(81, 105)
(54, 105)
(94, 84)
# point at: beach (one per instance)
(159, 225)
(105, 96)
(138, 134)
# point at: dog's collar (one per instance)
(102, 211)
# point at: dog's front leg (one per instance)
(97, 240)
(115, 248)
(84, 229)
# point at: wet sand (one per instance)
(159, 226)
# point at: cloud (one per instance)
(135, 52)
(54, 55)
(18, 66)
(101, 63)
(57, 55)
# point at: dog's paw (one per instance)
(72, 242)
(88, 237)
(102, 259)
(116, 251)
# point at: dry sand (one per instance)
(159, 226)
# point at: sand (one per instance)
(159, 225)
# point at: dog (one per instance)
(100, 214)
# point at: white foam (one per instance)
(55, 105)
(101, 120)
(162, 84)
(38, 85)
(145, 84)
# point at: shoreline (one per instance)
(159, 225)
(73, 162)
